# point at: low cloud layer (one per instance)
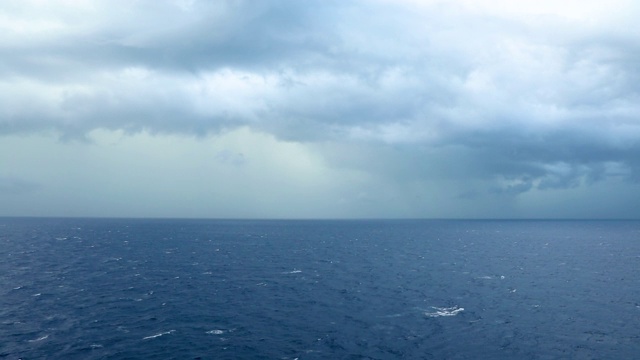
(494, 98)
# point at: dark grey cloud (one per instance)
(199, 36)
(510, 100)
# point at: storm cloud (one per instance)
(443, 108)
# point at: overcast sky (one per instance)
(320, 109)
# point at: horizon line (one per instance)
(314, 219)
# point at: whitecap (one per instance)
(215, 332)
(292, 272)
(392, 315)
(39, 339)
(444, 311)
(158, 335)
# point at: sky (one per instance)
(320, 108)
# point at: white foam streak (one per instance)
(444, 311)
(292, 272)
(39, 339)
(158, 335)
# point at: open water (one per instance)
(415, 289)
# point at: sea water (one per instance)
(414, 289)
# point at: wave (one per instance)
(158, 335)
(444, 311)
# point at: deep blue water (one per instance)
(211, 289)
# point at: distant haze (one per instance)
(320, 109)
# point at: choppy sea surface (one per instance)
(414, 289)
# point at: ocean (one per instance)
(368, 289)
